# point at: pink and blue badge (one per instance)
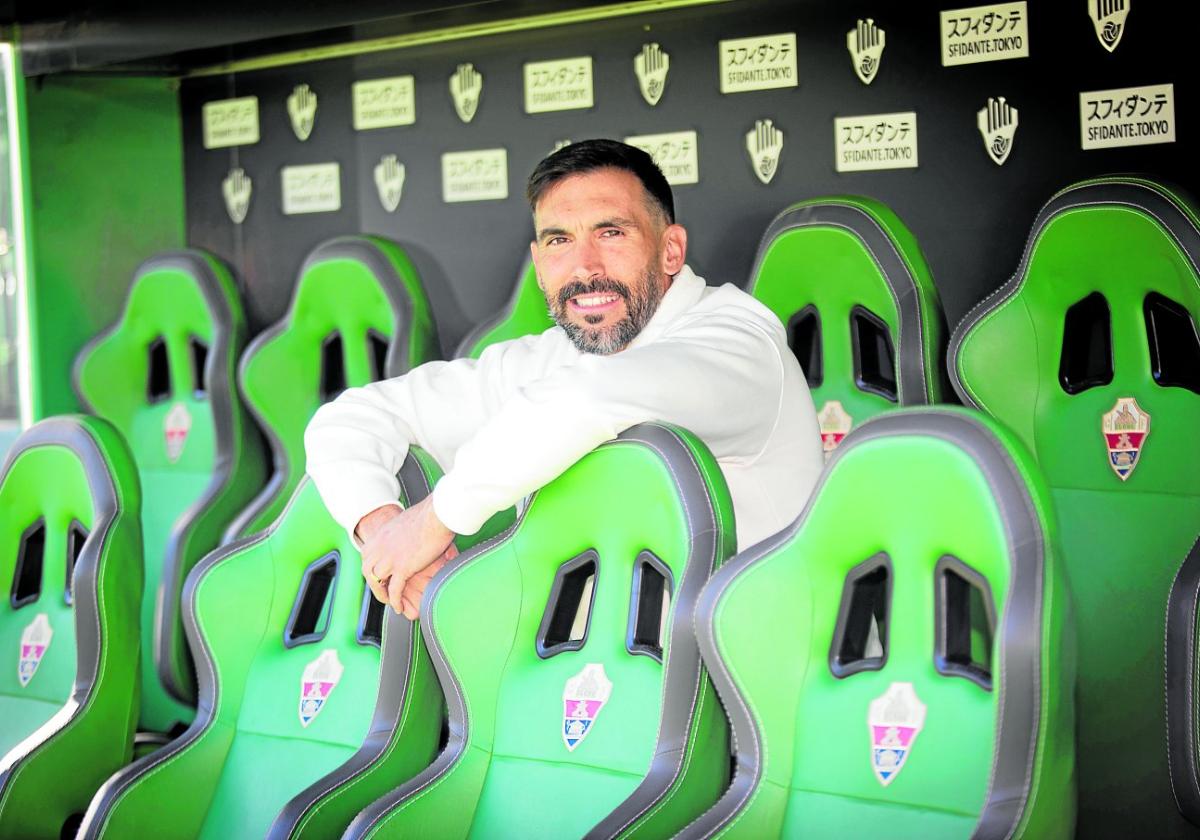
(319, 679)
(894, 720)
(35, 639)
(584, 695)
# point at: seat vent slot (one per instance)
(158, 373)
(804, 338)
(1087, 353)
(965, 624)
(199, 351)
(874, 356)
(370, 619)
(649, 606)
(377, 349)
(860, 640)
(27, 574)
(311, 613)
(568, 614)
(1174, 343)
(333, 367)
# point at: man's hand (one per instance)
(402, 551)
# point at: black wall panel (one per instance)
(970, 215)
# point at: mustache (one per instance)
(599, 286)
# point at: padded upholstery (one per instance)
(163, 375)
(271, 618)
(358, 314)
(563, 721)
(850, 283)
(898, 661)
(1183, 675)
(524, 314)
(1078, 354)
(69, 502)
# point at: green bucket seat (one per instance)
(358, 314)
(71, 562)
(524, 314)
(1183, 676)
(898, 661)
(850, 284)
(286, 636)
(163, 374)
(577, 700)
(1090, 354)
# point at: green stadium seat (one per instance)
(1090, 354)
(850, 284)
(286, 637)
(358, 314)
(576, 696)
(906, 673)
(163, 375)
(71, 561)
(524, 314)
(1183, 675)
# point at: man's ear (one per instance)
(674, 252)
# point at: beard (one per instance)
(641, 302)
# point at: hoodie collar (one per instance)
(683, 293)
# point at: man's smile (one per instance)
(594, 304)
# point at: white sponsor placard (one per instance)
(480, 175)
(560, 85)
(1136, 116)
(315, 188)
(985, 33)
(765, 62)
(875, 141)
(230, 122)
(382, 103)
(675, 153)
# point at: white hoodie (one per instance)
(712, 360)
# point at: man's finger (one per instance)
(377, 587)
(395, 589)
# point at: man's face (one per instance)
(604, 257)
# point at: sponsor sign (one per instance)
(764, 62)
(561, 85)
(481, 175)
(1136, 116)
(383, 103)
(875, 141)
(315, 188)
(230, 122)
(985, 33)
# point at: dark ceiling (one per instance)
(99, 36)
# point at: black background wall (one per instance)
(970, 215)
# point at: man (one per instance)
(639, 338)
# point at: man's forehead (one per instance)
(609, 188)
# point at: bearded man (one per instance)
(639, 337)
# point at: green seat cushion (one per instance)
(850, 283)
(524, 314)
(898, 661)
(1089, 353)
(576, 697)
(358, 313)
(163, 374)
(71, 565)
(287, 639)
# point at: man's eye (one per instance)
(611, 232)
(556, 240)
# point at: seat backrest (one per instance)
(287, 640)
(850, 284)
(71, 568)
(1183, 675)
(899, 662)
(358, 313)
(568, 661)
(524, 314)
(1090, 353)
(163, 374)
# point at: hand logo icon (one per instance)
(866, 42)
(651, 66)
(1108, 16)
(236, 188)
(302, 108)
(997, 123)
(466, 86)
(764, 142)
(389, 180)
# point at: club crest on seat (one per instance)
(176, 426)
(894, 720)
(1125, 430)
(34, 641)
(319, 679)
(835, 424)
(584, 695)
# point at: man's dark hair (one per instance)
(591, 155)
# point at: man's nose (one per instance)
(588, 261)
